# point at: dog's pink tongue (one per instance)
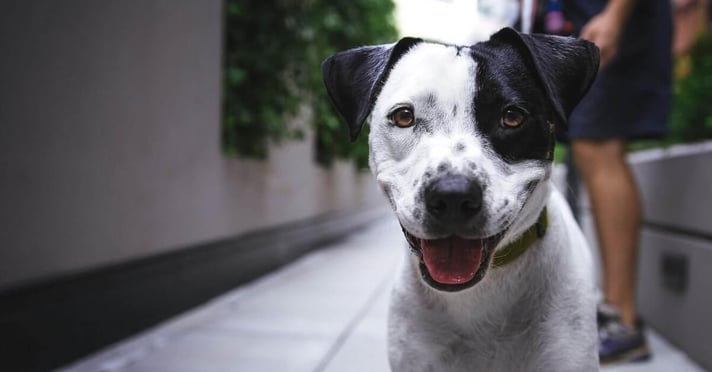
(452, 260)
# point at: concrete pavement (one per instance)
(324, 313)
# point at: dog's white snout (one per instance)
(453, 199)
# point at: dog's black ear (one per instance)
(566, 66)
(353, 79)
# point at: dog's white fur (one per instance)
(534, 314)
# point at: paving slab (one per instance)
(326, 312)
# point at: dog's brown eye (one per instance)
(512, 118)
(403, 117)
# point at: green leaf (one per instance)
(273, 53)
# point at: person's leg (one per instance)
(616, 209)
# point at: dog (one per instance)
(461, 140)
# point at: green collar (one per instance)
(516, 248)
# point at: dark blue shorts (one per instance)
(630, 98)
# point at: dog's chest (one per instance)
(512, 346)
(517, 340)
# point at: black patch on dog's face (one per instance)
(505, 80)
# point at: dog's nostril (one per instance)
(437, 207)
(469, 207)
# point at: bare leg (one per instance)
(617, 210)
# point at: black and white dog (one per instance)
(461, 142)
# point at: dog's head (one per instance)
(462, 138)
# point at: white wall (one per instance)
(453, 21)
(109, 140)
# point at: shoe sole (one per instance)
(639, 354)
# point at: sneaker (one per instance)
(617, 342)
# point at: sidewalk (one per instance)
(324, 313)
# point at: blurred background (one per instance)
(155, 154)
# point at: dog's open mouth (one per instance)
(453, 263)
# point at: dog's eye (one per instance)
(512, 118)
(403, 117)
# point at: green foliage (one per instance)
(273, 67)
(691, 116)
(260, 44)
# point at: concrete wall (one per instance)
(109, 140)
(674, 276)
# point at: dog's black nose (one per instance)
(453, 199)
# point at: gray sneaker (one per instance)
(617, 342)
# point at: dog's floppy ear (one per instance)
(566, 66)
(353, 78)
